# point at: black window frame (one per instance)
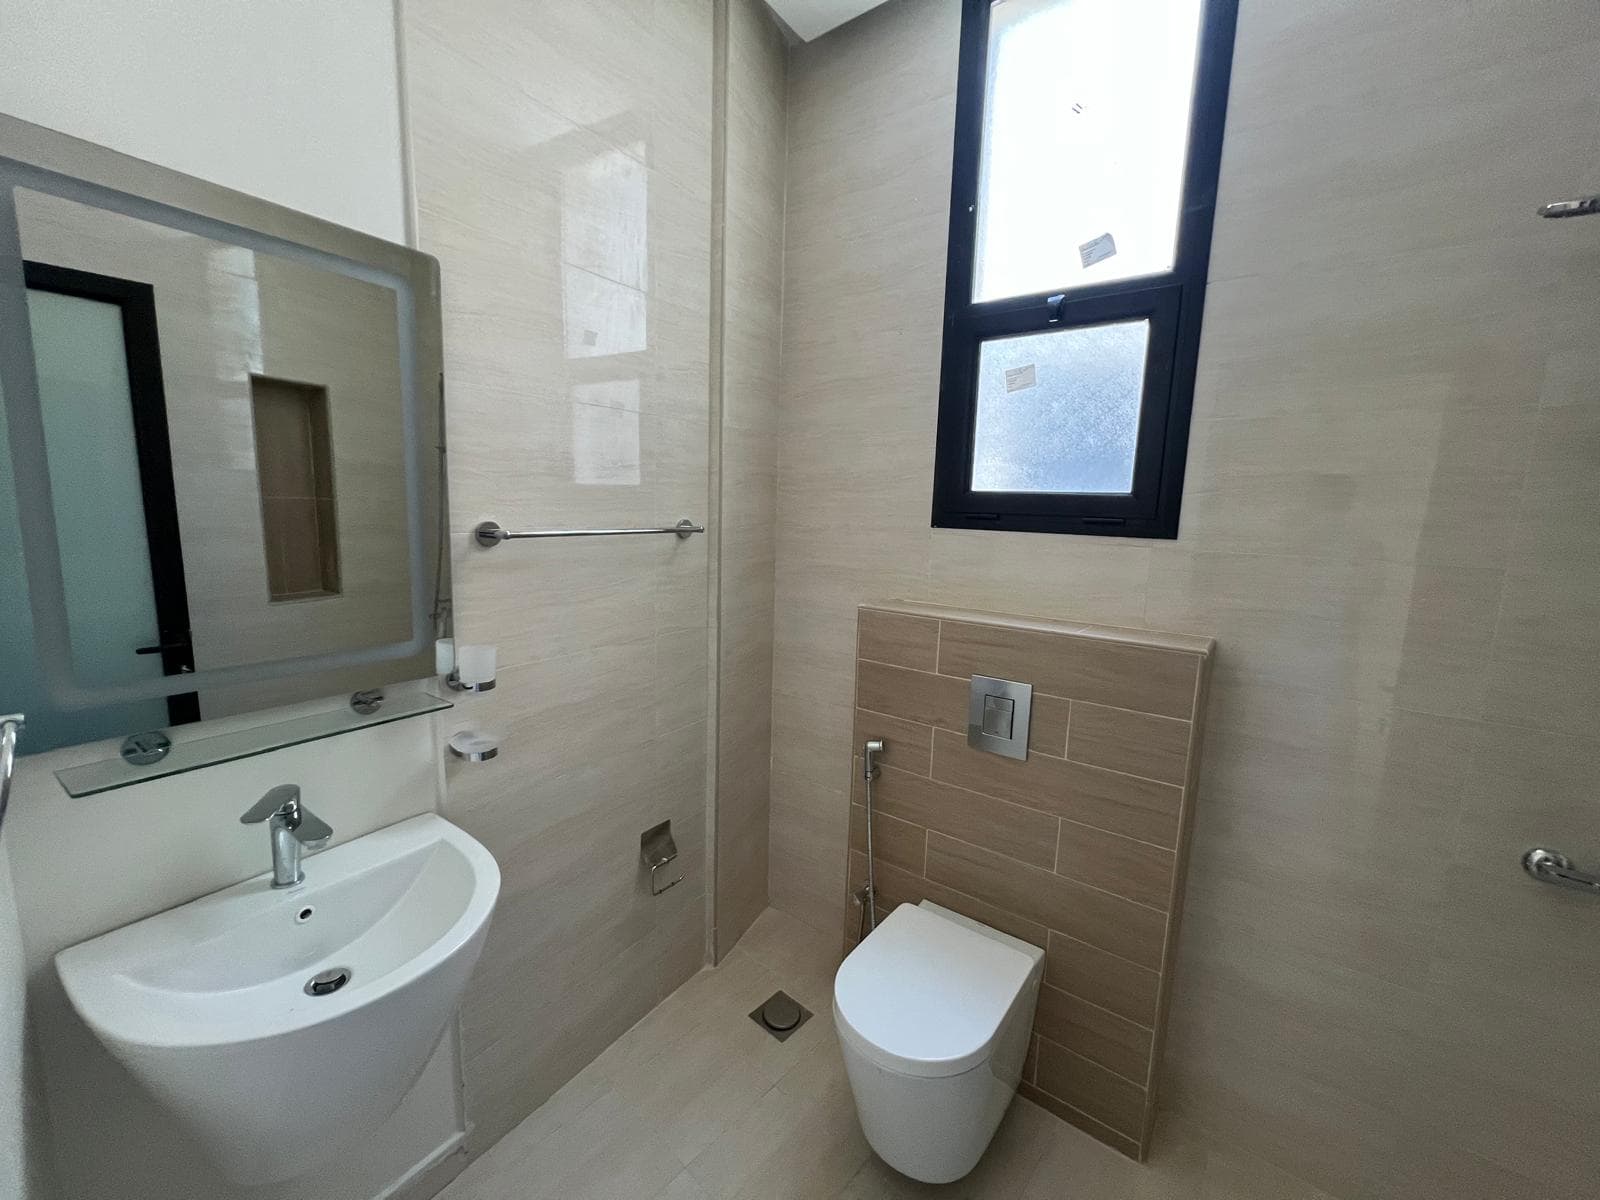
(1174, 301)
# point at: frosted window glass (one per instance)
(1085, 134)
(1059, 411)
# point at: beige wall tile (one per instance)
(1085, 913)
(918, 696)
(1024, 834)
(1142, 678)
(1116, 864)
(1103, 979)
(895, 841)
(1109, 800)
(1095, 1033)
(1134, 743)
(895, 638)
(1091, 1088)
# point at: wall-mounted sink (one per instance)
(279, 1025)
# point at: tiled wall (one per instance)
(567, 173)
(1388, 526)
(751, 267)
(1079, 849)
(563, 170)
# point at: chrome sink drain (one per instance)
(325, 983)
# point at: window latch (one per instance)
(1057, 306)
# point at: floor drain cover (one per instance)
(781, 1015)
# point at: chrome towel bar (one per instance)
(490, 534)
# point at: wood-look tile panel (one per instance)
(1021, 833)
(897, 639)
(917, 696)
(1136, 743)
(893, 840)
(1083, 912)
(906, 744)
(1114, 983)
(1091, 1088)
(1121, 674)
(1077, 847)
(1047, 725)
(1097, 1034)
(1118, 803)
(896, 886)
(1133, 869)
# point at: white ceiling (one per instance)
(812, 18)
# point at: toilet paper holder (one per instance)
(657, 849)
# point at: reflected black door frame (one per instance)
(153, 448)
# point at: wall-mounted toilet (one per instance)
(934, 1012)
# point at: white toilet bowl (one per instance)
(934, 1012)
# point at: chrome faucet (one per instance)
(295, 831)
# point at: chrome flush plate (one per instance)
(998, 712)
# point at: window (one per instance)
(1088, 135)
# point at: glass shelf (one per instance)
(89, 779)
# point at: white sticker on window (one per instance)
(1097, 250)
(1019, 379)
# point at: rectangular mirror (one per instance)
(220, 450)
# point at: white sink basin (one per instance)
(207, 1004)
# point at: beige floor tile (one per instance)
(802, 959)
(1024, 1137)
(787, 1148)
(684, 1187)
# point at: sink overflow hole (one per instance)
(781, 1015)
(325, 983)
(304, 914)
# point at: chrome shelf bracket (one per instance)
(1551, 866)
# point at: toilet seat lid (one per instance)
(927, 991)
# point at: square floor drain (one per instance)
(780, 1015)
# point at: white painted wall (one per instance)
(295, 101)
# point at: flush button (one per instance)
(997, 716)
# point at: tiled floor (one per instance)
(698, 1103)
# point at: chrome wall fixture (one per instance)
(656, 849)
(490, 533)
(1582, 207)
(10, 726)
(474, 747)
(868, 895)
(1551, 866)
